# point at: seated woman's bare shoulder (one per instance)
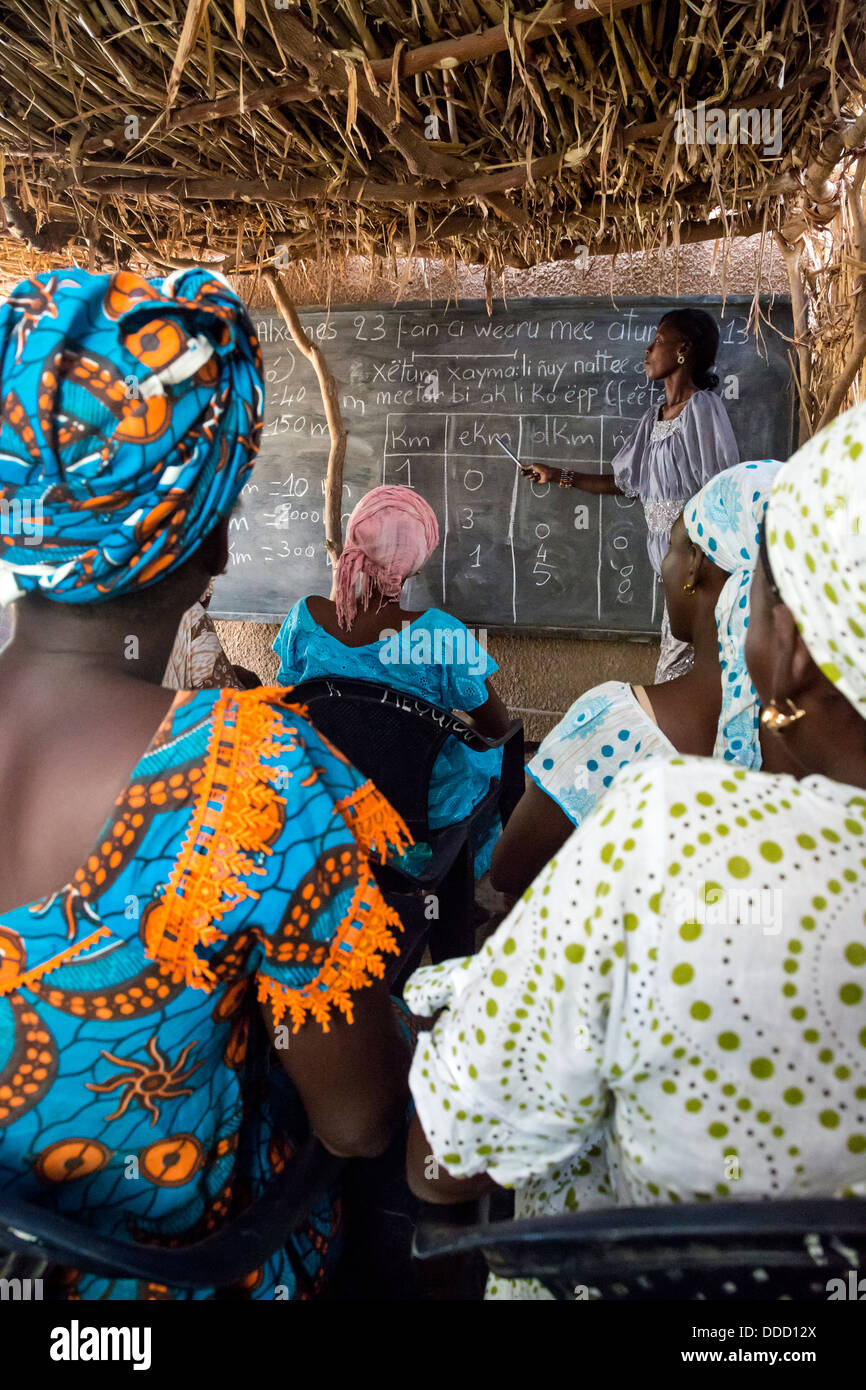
(321, 609)
(323, 612)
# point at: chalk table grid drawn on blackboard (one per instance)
(426, 391)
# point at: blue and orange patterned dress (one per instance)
(232, 870)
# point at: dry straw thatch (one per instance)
(159, 132)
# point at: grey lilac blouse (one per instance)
(667, 461)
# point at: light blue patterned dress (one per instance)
(604, 730)
(724, 519)
(607, 728)
(435, 657)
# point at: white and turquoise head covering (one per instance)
(816, 543)
(724, 519)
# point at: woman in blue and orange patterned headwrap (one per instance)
(178, 872)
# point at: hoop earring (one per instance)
(680, 358)
(689, 588)
(776, 720)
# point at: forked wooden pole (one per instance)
(330, 389)
(791, 256)
(857, 352)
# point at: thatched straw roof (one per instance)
(166, 130)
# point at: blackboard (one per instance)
(425, 390)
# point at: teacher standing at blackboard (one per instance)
(675, 449)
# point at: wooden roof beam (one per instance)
(209, 188)
(466, 227)
(221, 189)
(770, 97)
(327, 69)
(836, 145)
(447, 53)
(421, 156)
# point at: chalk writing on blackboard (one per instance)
(426, 392)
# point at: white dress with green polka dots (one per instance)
(673, 1012)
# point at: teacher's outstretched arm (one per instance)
(587, 482)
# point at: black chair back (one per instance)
(740, 1251)
(395, 739)
(34, 1240)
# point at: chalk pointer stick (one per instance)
(524, 467)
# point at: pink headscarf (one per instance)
(391, 534)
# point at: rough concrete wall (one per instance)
(706, 268)
(539, 676)
(249, 644)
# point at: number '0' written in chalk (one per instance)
(624, 592)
